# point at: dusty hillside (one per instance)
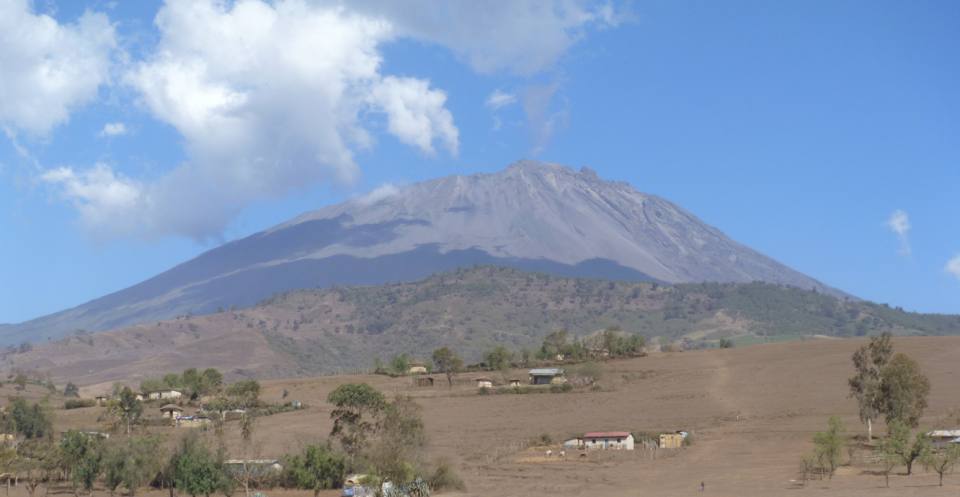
(752, 412)
(346, 329)
(531, 215)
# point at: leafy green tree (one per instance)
(553, 344)
(357, 407)
(71, 390)
(317, 468)
(903, 390)
(126, 409)
(29, 420)
(447, 362)
(172, 380)
(152, 385)
(82, 455)
(726, 343)
(942, 461)
(898, 443)
(828, 445)
(400, 364)
(498, 359)
(211, 381)
(132, 462)
(197, 471)
(246, 392)
(37, 460)
(868, 362)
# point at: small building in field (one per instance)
(614, 440)
(192, 421)
(547, 376)
(943, 438)
(515, 383)
(102, 400)
(484, 383)
(423, 381)
(171, 411)
(672, 440)
(257, 468)
(573, 443)
(417, 368)
(169, 394)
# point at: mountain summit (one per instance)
(531, 215)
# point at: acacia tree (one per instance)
(126, 409)
(498, 359)
(942, 461)
(355, 415)
(82, 455)
(828, 445)
(317, 468)
(898, 443)
(196, 471)
(903, 390)
(397, 449)
(447, 362)
(869, 361)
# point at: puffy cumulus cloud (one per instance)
(107, 202)
(47, 68)
(113, 129)
(899, 224)
(379, 193)
(271, 97)
(953, 266)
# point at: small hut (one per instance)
(484, 383)
(171, 411)
(515, 383)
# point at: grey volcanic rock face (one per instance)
(531, 216)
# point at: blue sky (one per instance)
(798, 128)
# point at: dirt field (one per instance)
(752, 412)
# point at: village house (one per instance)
(171, 411)
(258, 468)
(943, 438)
(616, 440)
(417, 368)
(515, 383)
(192, 421)
(169, 394)
(484, 383)
(547, 376)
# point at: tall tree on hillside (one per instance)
(869, 361)
(126, 409)
(447, 362)
(903, 390)
(357, 407)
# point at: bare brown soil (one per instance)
(752, 412)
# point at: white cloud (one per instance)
(953, 266)
(47, 69)
(379, 193)
(113, 129)
(499, 99)
(273, 96)
(899, 224)
(108, 203)
(543, 117)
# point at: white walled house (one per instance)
(613, 440)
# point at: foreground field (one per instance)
(752, 412)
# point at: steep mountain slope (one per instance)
(531, 216)
(472, 310)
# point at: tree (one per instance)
(211, 381)
(726, 343)
(447, 362)
(20, 381)
(888, 460)
(38, 459)
(498, 359)
(82, 455)
(942, 461)
(29, 420)
(246, 392)
(357, 407)
(828, 445)
(898, 443)
(396, 451)
(903, 390)
(868, 362)
(196, 471)
(553, 344)
(400, 364)
(71, 390)
(317, 468)
(126, 409)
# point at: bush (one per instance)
(564, 388)
(444, 477)
(543, 439)
(726, 343)
(78, 403)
